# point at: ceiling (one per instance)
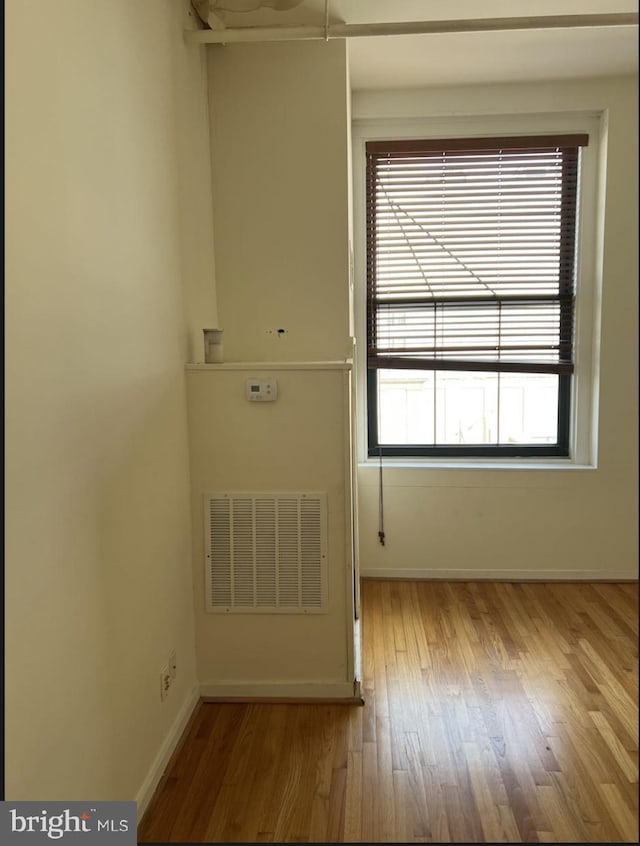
(411, 61)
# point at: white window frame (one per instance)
(584, 396)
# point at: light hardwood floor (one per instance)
(494, 713)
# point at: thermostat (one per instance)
(261, 390)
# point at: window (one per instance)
(471, 278)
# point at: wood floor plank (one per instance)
(273, 727)
(626, 819)
(200, 785)
(401, 804)
(498, 824)
(621, 603)
(337, 795)
(577, 785)
(353, 799)
(385, 807)
(566, 827)
(493, 713)
(411, 613)
(626, 764)
(228, 822)
(614, 692)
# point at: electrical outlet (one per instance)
(173, 665)
(165, 683)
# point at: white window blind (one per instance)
(471, 253)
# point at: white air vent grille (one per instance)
(266, 553)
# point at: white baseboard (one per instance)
(280, 690)
(145, 794)
(504, 575)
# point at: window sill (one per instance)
(473, 464)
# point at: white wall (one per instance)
(280, 164)
(536, 523)
(280, 184)
(194, 185)
(298, 443)
(98, 581)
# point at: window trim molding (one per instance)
(584, 393)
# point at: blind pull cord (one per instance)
(380, 503)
